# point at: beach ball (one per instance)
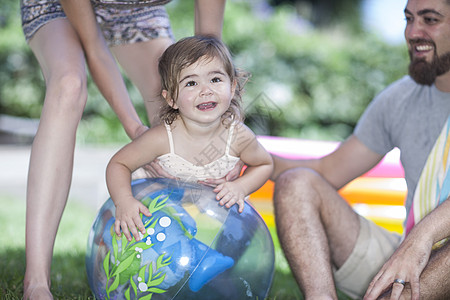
(193, 248)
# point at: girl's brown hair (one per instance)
(188, 51)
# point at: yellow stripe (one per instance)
(446, 149)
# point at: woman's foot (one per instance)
(37, 293)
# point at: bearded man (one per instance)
(325, 242)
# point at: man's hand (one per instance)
(403, 268)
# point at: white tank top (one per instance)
(179, 167)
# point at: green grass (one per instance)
(69, 279)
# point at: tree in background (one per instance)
(308, 80)
(324, 13)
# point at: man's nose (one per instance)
(415, 30)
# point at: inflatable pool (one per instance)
(378, 195)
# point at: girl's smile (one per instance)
(207, 106)
(204, 91)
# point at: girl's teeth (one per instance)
(206, 105)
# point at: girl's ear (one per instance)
(169, 101)
(233, 87)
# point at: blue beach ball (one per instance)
(193, 248)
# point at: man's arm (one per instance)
(350, 160)
(411, 262)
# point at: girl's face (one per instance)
(205, 91)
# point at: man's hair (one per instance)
(188, 51)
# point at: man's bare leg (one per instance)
(316, 228)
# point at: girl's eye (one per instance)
(216, 79)
(191, 83)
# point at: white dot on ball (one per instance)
(165, 221)
(151, 231)
(143, 287)
(160, 236)
(184, 260)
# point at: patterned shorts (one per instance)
(119, 25)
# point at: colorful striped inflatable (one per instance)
(378, 195)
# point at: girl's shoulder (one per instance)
(155, 131)
(156, 137)
(243, 136)
(240, 129)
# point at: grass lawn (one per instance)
(69, 279)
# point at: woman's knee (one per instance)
(69, 90)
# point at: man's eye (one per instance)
(191, 83)
(430, 20)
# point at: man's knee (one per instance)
(294, 178)
(299, 187)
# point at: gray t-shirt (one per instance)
(408, 116)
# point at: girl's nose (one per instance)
(205, 90)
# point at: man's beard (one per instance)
(424, 72)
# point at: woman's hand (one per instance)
(232, 175)
(152, 170)
(139, 131)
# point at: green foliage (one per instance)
(21, 86)
(306, 82)
(326, 13)
(124, 263)
(318, 82)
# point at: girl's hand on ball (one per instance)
(128, 219)
(230, 193)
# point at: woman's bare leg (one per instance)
(60, 55)
(140, 62)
